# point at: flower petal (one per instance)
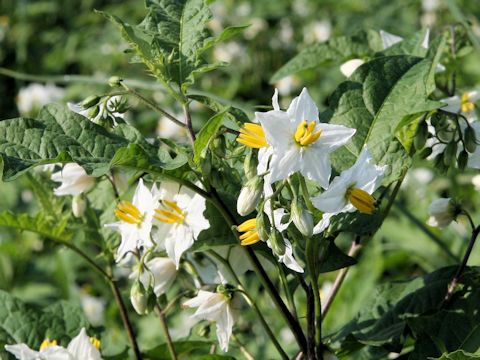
(303, 108)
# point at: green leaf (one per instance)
(410, 46)
(335, 259)
(457, 355)
(185, 349)
(374, 101)
(22, 323)
(206, 135)
(336, 50)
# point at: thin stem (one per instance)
(152, 105)
(242, 347)
(463, 265)
(126, 321)
(288, 293)
(306, 197)
(310, 323)
(168, 338)
(311, 253)
(188, 122)
(250, 302)
(354, 248)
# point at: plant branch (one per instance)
(311, 254)
(188, 122)
(168, 338)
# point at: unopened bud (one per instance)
(90, 101)
(462, 160)
(426, 152)
(421, 135)
(250, 196)
(450, 153)
(470, 139)
(263, 225)
(219, 146)
(302, 218)
(115, 81)
(204, 331)
(276, 242)
(78, 206)
(442, 212)
(250, 165)
(93, 112)
(139, 297)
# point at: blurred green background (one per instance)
(52, 38)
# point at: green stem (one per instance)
(188, 122)
(305, 194)
(311, 253)
(288, 293)
(168, 338)
(250, 302)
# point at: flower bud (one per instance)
(78, 206)
(93, 112)
(450, 153)
(442, 212)
(421, 135)
(115, 81)
(426, 152)
(462, 160)
(139, 297)
(263, 225)
(90, 101)
(204, 331)
(276, 242)
(250, 196)
(250, 165)
(219, 146)
(302, 218)
(470, 139)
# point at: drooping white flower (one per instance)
(441, 212)
(74, 180)
(136, 219)
(81, 347)
(94, 308)
(464, 104)
(180, 219)
(34, 96)
(350, 191)
(349, 67)
(160, 274)
(166, 128)
(296, 139)
(215, 307)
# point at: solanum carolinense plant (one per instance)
(231, 228)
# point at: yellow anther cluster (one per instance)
(47, 342)
(95, 342)
(250, 235)
(171, 213)
(466, 105)
(304, 134)
(252, 135)
(362, 200)
(128, 212)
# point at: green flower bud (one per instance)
(115, 81)
(470, 139)
(462, 160)
(90, 101)
(445, 135)
(426, 152)
(421, 135)
(78, 206)
(93, 112)
(139, 297)
(302, 218)
(276, 242)
(438, 163)
(250, 165)
(263, 225)
(218, 146)
(204, 331)
(250, 196)
(450, 153)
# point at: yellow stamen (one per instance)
(252, 135)
(466, 105)
(46, 343)
(250, 235)
(304, 134)
(171, 214)
(128, 212)
(95, 342)
(362, 200)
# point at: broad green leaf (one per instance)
(38, 224)
(22, 323)
(374, 101)
(457, 355)
(207, 134)
(335, 259)
(413, 45)
(336, 50)
(60, 135)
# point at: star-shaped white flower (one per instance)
(464, 104)
(136, 219)
(350, 191)
(296, 139)
(80, 348)
(74, 180)
(179, 218)
(160, 273)
(215, 307)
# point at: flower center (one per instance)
(128, 212)
(362, 200)
(305, 135)
(46, 343)
(252, 135)
(250, 235)
(95, 342)
(465, 104)
(171, 213)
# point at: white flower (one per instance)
(217, 308)
(249, 196)
(287, 84)
(136, 220)
(349, 67)
(166, 128)
(93, 308)
(80, 348)
(318, 31)
(389, 40)
(74, 180)
(160, 273)
(442, 212)
(180, 219)
(34, 96)
(464, 104)
(297, 140)
(350, 191)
